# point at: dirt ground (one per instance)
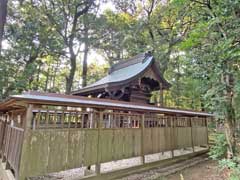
(207, 170)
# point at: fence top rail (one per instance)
(72, 100)
(16, 128)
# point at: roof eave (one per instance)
(90, 102)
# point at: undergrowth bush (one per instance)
(219, 150)
(233, 165)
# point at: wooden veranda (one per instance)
(42, 133)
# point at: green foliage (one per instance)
(196, 45)
(219, 149)
(227, 163)
(233, 165)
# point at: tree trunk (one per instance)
(86, 49)
(47, 80)
(70, 77)
(38, 77)
(54, 75)
(230, 137)
(3, 15)
(229, 114)
(230, 128)
(73, 55)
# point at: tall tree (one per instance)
(65, 18)
(216, 58)
(86, 50)
(3, 16)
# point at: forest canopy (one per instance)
(60, 45)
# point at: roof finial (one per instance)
(149, 53)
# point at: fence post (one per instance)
(3, 129)
(173, 136)
(27, 124)
(98, 165)
(29, 116)
(206, 123)
(8, 150)
(142, 139)
(192, 134)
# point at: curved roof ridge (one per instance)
(127, 62)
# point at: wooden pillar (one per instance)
(9, 132)
(173, 137)
(29, 116)
(10, 138)
(142, 139)
(192, 134)
(161, 95)
(206, 124)
(98, 165)
(4, 126)
(22, 173)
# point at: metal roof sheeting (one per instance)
(101, 102)
(123, 74)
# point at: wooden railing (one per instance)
(47, 119)
(2, 130)
(62, 119)
(12, 145)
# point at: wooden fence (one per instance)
(41, 139)
(64, 139)
(12, 147)
(11, 139)
(2, 130)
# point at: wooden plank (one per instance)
(142, 138)
(147, 141)
(128, 143)
(99, 126)
(90, 150)
(106, 139)
(192, 140)
(183, 137)
(18, 153)
(207, 137)
(169, 141)
(137, 142)
(8, 141)
(58, 150)
(187, 138)
(161, 140)
(199, 136)
(155, 141)
(75, 148)
(118, 144)
(2, 130)
(35, 152)
(10, 147)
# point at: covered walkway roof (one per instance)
(17, 101)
